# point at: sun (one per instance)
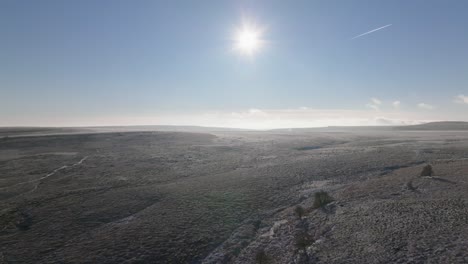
(248, 40)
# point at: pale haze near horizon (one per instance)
(320, 63)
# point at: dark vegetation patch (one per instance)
(308, 148)
(15, 218)
(225, 148)
(262, 258)
(303, 240)
(299, 211)
(410, 186)
(321, 199)
(427, 171)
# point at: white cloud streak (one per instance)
(372, 31)
(461, 99)
(374, 104)
(396, 104)
(376, 101)
(425, 106)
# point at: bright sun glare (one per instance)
(248, 40)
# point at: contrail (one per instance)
(368, 32)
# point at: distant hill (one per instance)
(39, 131)
(43, 131)
(167, 128)
(446, 125)
(435, 126)
(334, 129)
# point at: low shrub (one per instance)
(23, 221)
(257, 224)
(410, 186)
(322, 198)
(262, 258)
(299, 211)
(427, 171)
(14, 218)
(303, 240)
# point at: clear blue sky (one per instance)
(171, 62)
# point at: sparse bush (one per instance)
(257, 223)
(321, 199)
(300, 211)
(236, 251)
(23, 221)
(262, 258)
(303, 240)
(410, 186)
(15, 219)
(427, 171)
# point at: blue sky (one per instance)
(68, 63)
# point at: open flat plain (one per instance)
(225, 196)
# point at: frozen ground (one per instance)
(176, 197)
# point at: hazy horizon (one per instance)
(236, 64)
(234, 131)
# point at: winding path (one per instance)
(39, 181)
